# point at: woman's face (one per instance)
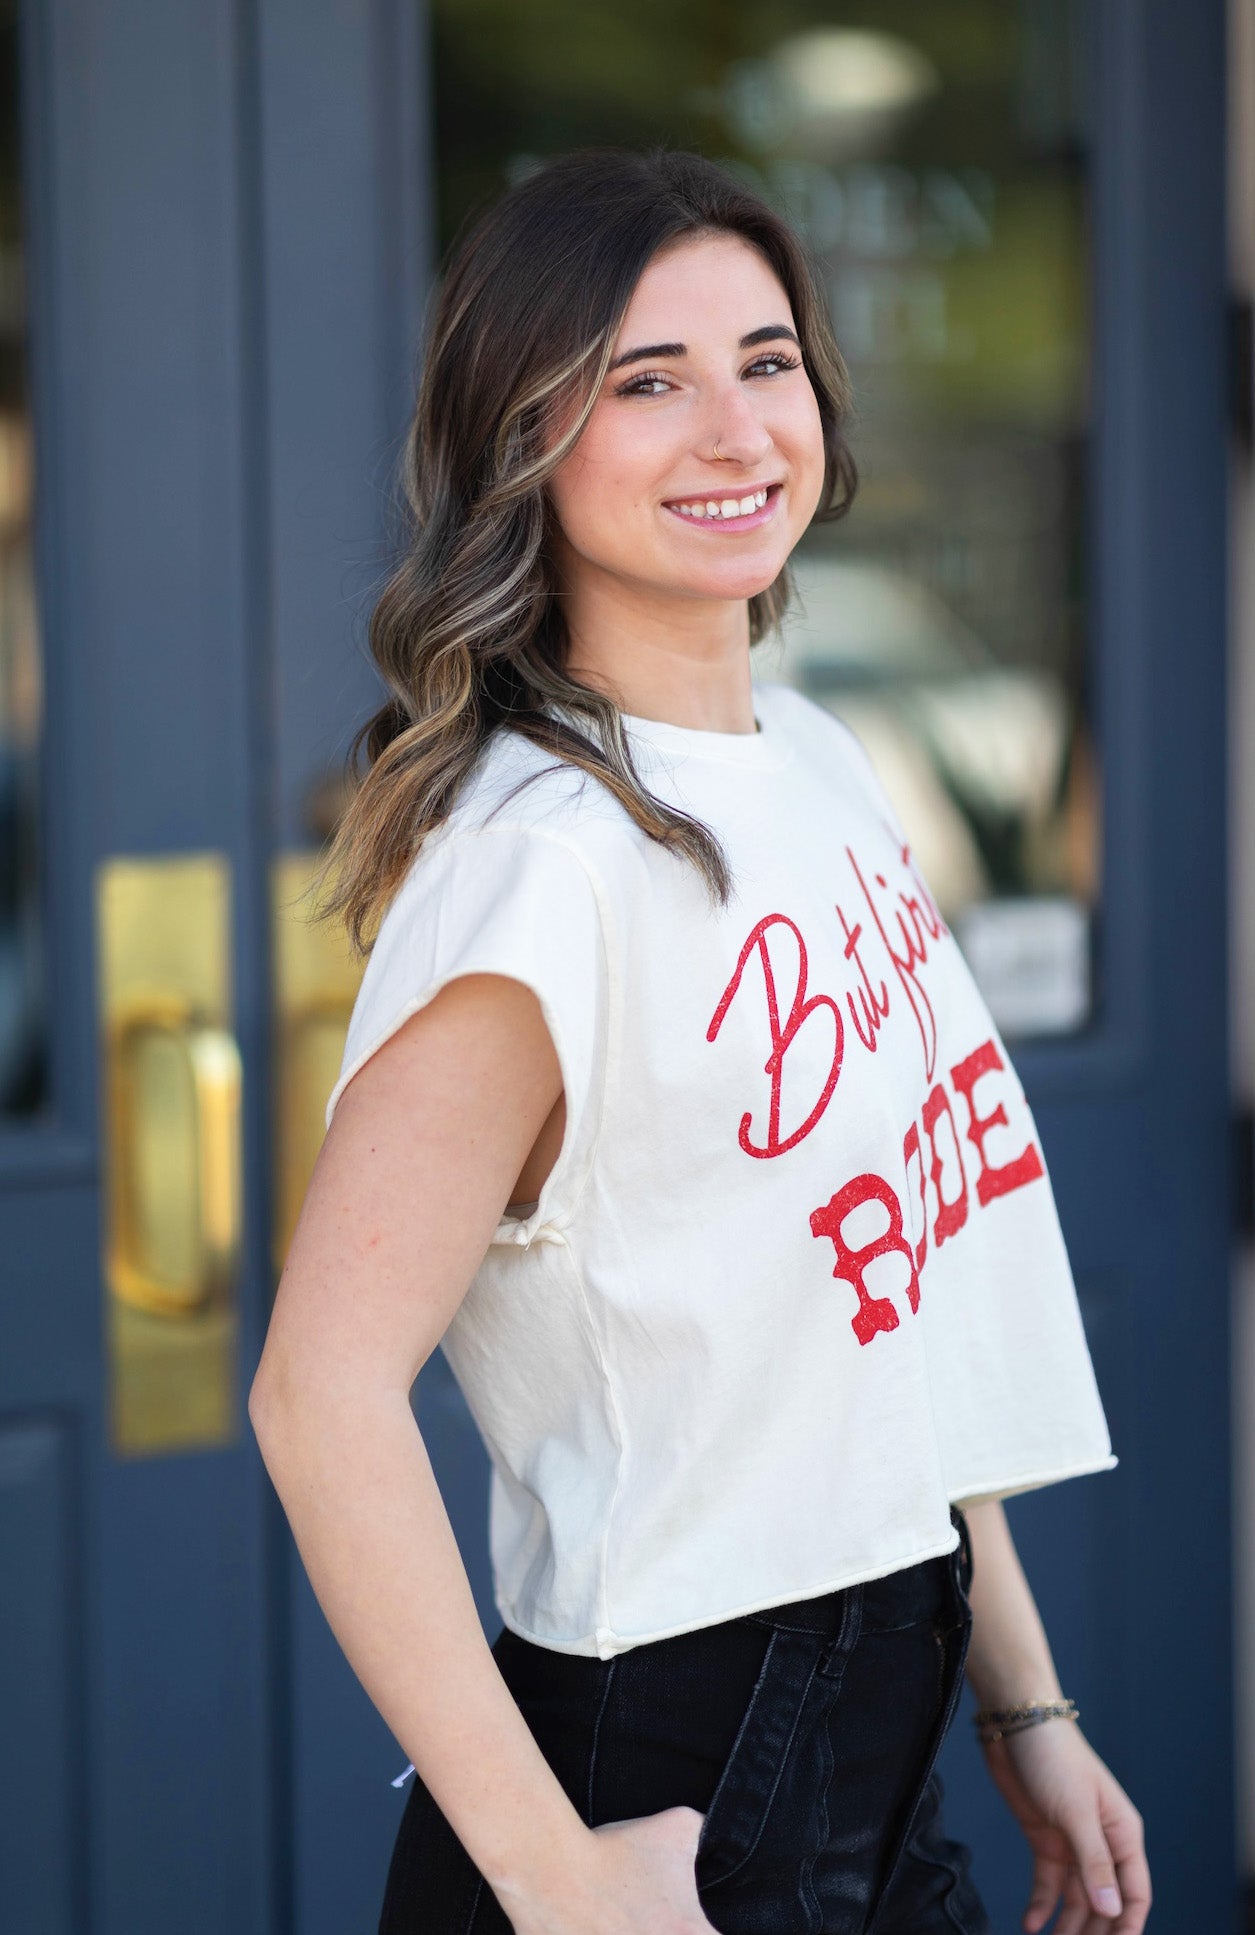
(702, 462)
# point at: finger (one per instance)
(1135, 1889)
(1093, 1858)
(1049, 1876)
(1125, 1839)
(1076, 1912)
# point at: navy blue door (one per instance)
(217, 209)
(138, 1786)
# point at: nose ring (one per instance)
(716, 450)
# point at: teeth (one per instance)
(725, 507)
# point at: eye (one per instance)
(648, 383)
(773, 363)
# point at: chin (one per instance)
(728, 584)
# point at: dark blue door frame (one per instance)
(229, 207)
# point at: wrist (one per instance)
(1012, 1680)
(557, 1870)
(1016, 1690)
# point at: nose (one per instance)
(735, 429)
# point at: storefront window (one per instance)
(934, 156)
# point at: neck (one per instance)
(681, 659)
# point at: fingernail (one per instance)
(1107, 1901)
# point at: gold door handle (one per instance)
(171, 1151)
(175, 1088)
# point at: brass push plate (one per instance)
(316, 981)
(171, 1131)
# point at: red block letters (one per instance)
(947, 1177)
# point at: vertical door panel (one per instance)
(136, 292)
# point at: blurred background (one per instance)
(220, 225)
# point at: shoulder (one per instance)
(528, 838)
(519, 796)
(515, 784)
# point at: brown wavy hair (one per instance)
(468, 632)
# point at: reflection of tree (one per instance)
(537, 77)
(520, 77)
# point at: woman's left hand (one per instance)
(1084, 1831)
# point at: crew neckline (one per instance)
(764, 748)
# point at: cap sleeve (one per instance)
(499, 900)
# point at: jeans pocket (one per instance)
(717, 1844)
(739, 1808)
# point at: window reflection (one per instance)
(934, 157)
(22, 1064)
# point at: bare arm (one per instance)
(1084, 1832)
(416, 1168)
(1009, 1660)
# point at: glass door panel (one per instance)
(935, 159)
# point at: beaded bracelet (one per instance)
(994, 1723)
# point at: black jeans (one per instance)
(806, 1734)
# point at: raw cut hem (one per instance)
(605, 1644)
(979, 1494)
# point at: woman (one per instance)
(669, 1107)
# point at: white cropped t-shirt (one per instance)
(796, 1280)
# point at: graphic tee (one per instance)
(796, 1280)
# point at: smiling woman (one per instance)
(529, 383)
(652, 1113)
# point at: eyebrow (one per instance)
(657, 352)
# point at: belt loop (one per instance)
(963, 1551)
(838, 1649)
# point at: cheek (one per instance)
(610, 474)
(803, 432)
(800, 434)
